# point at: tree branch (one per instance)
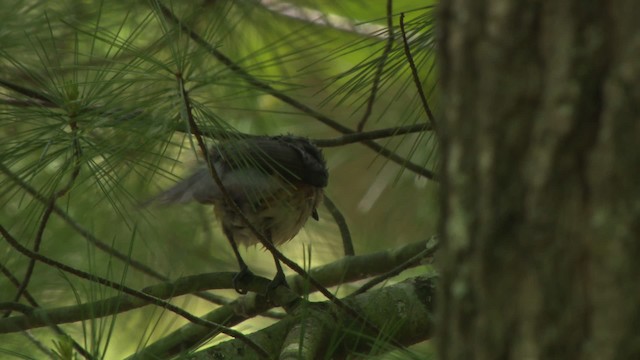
(372, 135)
(342, 271)
(412, 323)
(345, 234)
(34, 304)
(339, 272)
(381, 62)
(414, 73)
(129, 291)
(430, 249)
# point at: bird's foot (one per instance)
(241, 279)
(278, 280)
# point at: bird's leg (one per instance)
(244, 274)
(279, 279)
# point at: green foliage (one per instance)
(95, 98)
(63, 349)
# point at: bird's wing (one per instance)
(198, 186)
(240, 184)
(295, 159)
(247, 167)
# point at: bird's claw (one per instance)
(240, 279)
(278, 280)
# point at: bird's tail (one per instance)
(199, 186)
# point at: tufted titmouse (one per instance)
(277, 182)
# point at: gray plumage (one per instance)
(276, 181)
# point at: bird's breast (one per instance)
(278, 215)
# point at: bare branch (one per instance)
(27, 92)
(345, 270)
(381, 62)
(432, 246)
(372, 135)
(417, 296)
(414, 73)
(347, 243)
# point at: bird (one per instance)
(277, 182)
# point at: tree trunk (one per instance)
(541, 184)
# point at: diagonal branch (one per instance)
(428, 251)
(34, 304)
(122, 302)
(412, 322)
(414, 74)
(381, 63)
(342, 271)
(339, 272)
(371, 135)
(347, 243)
(120, 287)
(28, 93)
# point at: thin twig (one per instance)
(414, 73)
(32, 263)
(14, 280)
(381, 62)
(42, 347)
(372, 135)
(429, 251)
(31, 300)
(79, 229)
(347, 243)
(27, 92)
(27, 103)
(127, 290)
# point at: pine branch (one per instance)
(412, 323)
(342, 271)
(129, 291)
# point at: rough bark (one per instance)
(541, 203)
